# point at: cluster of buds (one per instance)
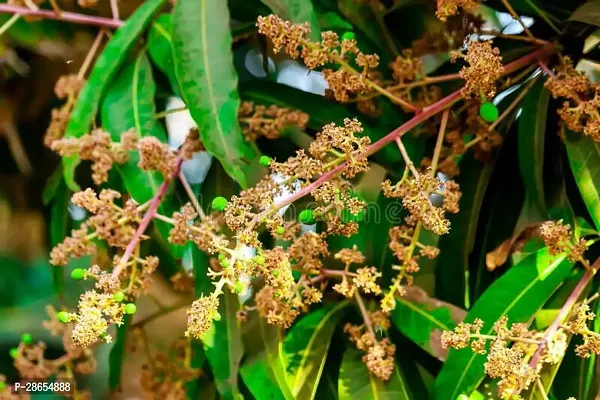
(344, 82)
(67, 87)
(483, 69)
(99, 148)
(449, 8)
(416, 192)
(168, 372)
(270, 122)
(364, 279)
(507, 351)
(558, 238)
(29, 357)
(582, 99)
(379, 354)
(579, 325)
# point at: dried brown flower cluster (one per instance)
(582, 99)
(270, 122)
(166, 375)
(99, 148)
(31, 363)
(344, 82)
(579, 325)
(67, 87)
(558, 238)
(416, 192)
(201, 314)
(109, 222)
(506, 361)
(483, 70)
(448, 8)
(332, 139)
(364, 279)
(379, 356)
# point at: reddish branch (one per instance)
(63, 16)
(564, 312)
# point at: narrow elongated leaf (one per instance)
(117, 353)
(224, 349)
(584, 159)
(356, 382)
(258, 377)
(518, 295)
(106, 67)
(59, 221)
(532, 129)
(132, 94)
(223, 342)
(298, 12)
(422, 319)
(305, 349)
(208, 81)
(161, 50)
(451, 279)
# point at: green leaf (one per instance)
(298, 12)
(588, 13)
(132, 94)
(451, 272)
(584, 159)
(357, 382)
(532, 129)
(115, 358)
(305, 349)
(422, 319)
(59, 221)
(223, 342)
(518, 295)
(223, 347)
(257, 375)
(208, 81)
(160, 48)
(106, 67)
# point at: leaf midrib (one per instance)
(208, 74)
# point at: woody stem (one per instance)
(63, 16)
(564, 312)
(364, 313)
(152, 209)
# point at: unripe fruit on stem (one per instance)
(348, 36)
(219, 203)
(225, 263)
(280, 230)
(260, 260)
(130, 308)
(276, 273)
(217, 317)
(306, 217)
(239, 287)
(77, 274)
(119, 296)
(27, 338)
(63, 317)
(221, 257)
(489, 112)
(264, 161)
(14, 352)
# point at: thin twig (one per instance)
(364, 313)
(63, 16)
(191, 195)
(440, 142)
(518, 18)
(114, 7)
(90, 55)
(406, 157)
(11, 21)
(163, 114)
(151, 213)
